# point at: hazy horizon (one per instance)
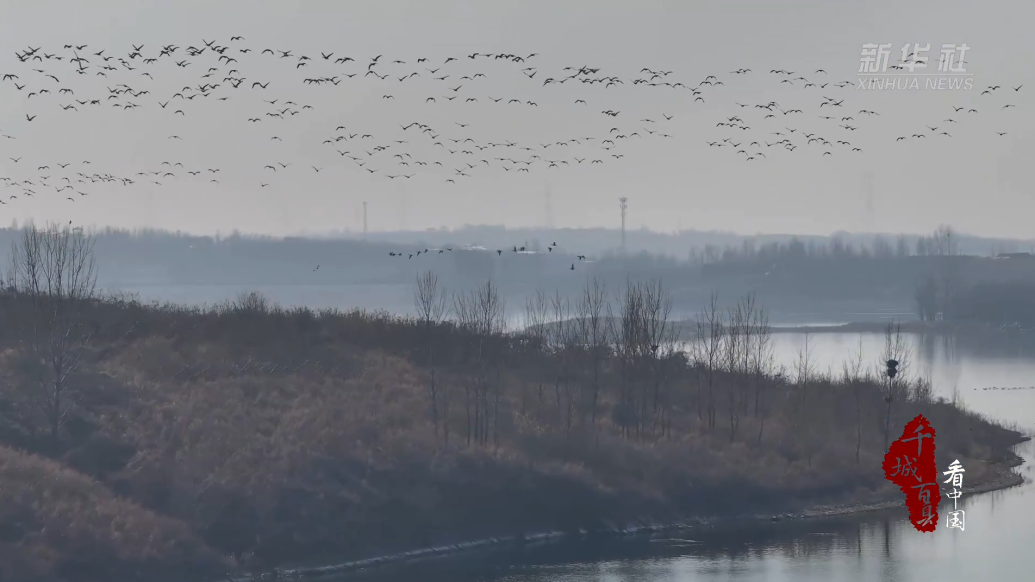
(390, 236)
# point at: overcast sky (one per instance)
(976, 180)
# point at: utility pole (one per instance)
(364, 218)
(623, 203)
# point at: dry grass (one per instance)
(59, 524)
(323, 448)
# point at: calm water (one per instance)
(878, 547)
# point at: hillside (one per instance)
(248, 436)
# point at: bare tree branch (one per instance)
(54, 270)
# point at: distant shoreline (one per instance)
(922, 327)
(869, 327)
(688, 328)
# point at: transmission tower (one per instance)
(623, 203)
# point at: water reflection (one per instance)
(844, 549)
(967, 363)
(877, 547)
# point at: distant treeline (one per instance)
(1004, 304)
(943, 241)
(843, 272)
(692, 244)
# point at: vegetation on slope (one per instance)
(248, 436)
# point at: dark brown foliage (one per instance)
(277, 436)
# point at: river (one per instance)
(871, 547)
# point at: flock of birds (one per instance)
(224, 73)
(499, 252)
(837, 125)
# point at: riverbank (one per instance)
(1004, 478)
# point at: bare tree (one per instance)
(54, 270)
(747, 349)
(466, 319)
(804, 370)
(762, 358)
(641, 332)
(733, 345)
(481, 314)
(537, 331)
(710, 331)
(493, 308)
(430, 301)
(852, 376)
(251, 302)
(762, 350)
(658, 337)
(921, 390)
(565, 343)
(627, 334)
(895, 348)
(560, 330)
(693, 351)
(593, 332)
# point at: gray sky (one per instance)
(975, 180)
